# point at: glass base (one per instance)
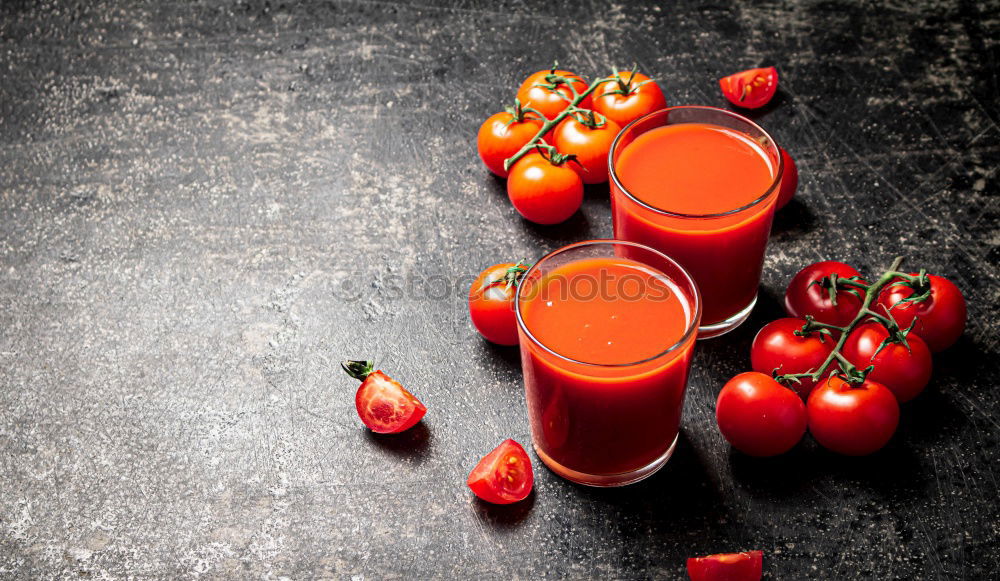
(607, 480)
(723, 327)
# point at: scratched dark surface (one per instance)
(206, 205)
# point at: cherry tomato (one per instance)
(551, 102)
(777, 347)
(940, 318)
(789, 180)
(805, 298)
(491, 302)
(501, 137)
(759, 416)
(904, 371)
(750, 89)
(627, 98)
(746, 566)
(543, 192)
(853, 420)
(504, 475)
(385, 406)
(590, 145)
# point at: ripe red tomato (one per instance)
(940, 318)
(500, 137)
(751, 88)
(385, 406)
(854, 420)
(627, 98)
(491, 302)
(805, 298)
(543, 192)
(789, 180)
(504, 475)
(777, 347)
(551, 102)
(759, 416)
(746, 566)
(904, 371)
(590, 145)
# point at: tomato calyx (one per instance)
(626, 86)
(359, 370)
(512, 276)
(519, 113)
(589, 118)
(834, 284)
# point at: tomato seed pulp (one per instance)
(610, 402)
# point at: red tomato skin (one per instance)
(624, 109)
(491, 306)
(852, 420)
(940, 319)
(804, 298)
(763, 83)
(776, 346)
(497, 140)
(548, 102)
(590, 145)
(789, 180)
(905, 372)
(488, 477)
(542, 192)
(746, 566)
(385, 406)
(758, 416)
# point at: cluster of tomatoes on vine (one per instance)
(848, 354)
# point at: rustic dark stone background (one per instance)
(206, 205)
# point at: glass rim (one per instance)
(775, 183)
(695, 300)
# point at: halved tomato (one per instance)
(746, 566)
(750, 89)
(504, 475)
(385, 406)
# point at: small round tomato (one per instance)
(501, 136)
(853, 420)
(940, 318)
(789, 180)
(504, 475)
(630, 96)
(385, 406)
(904, 371)
(543, 192)
(750, 89)
(746, 566)
(777, 348)
(491, 302)
(536, 93)
(809, 294)
(590, 145)
(759, 416)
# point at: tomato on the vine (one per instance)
(905, 371)
(491, 302)
(853, 420)
(777, 347)
(504, 475)
(745, 566)
(809, 294)
(940, 318)
(503, 135)
(590, 145)
(789, 180)
(535, 92)
(629, 96)
(750, 89)
(542, 191)
(759, 416)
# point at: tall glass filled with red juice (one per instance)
(606, 329)
(699, 184)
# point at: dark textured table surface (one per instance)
(205, 206)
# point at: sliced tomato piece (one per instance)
(504, 475)
(385, 406)
(746, 566)
(750, 89)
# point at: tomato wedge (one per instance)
(750, 89)
(746, 566)
(383, 404)
(504, 475)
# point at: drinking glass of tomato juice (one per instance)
(699, 184)
(607, 329)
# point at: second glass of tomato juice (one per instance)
(607, 329)
(700, 184)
